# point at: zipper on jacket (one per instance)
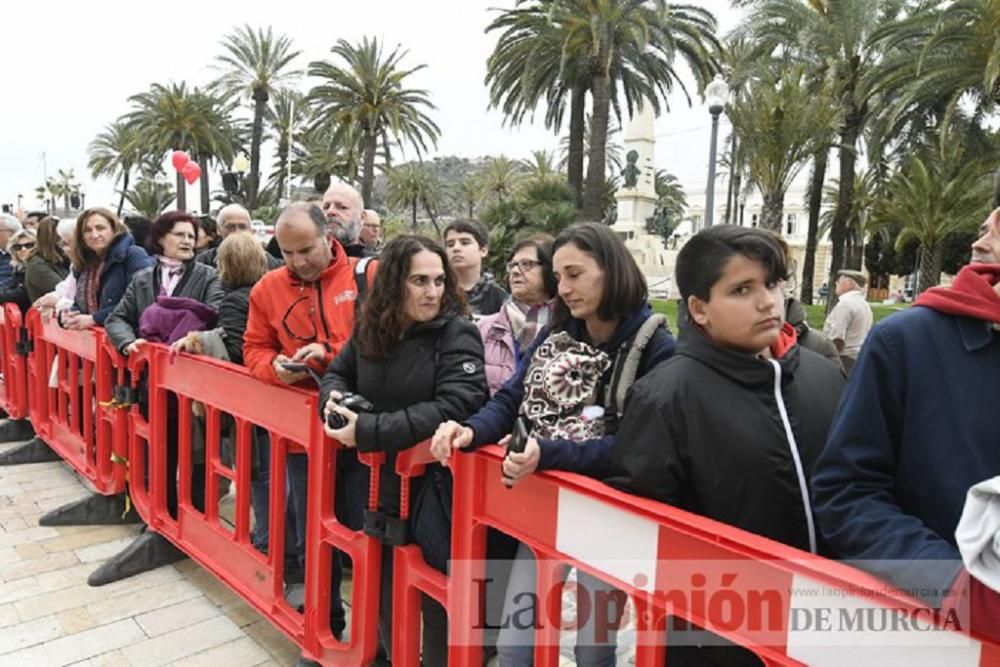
(793, 446)
(322, 315)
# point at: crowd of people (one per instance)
(851, 445)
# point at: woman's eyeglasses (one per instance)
(522, 265)
(22, 246)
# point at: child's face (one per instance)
(744, 311)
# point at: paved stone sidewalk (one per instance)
(176, 615)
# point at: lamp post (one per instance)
(232, 181)
(717, 94)
(743, 203)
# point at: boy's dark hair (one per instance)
(139, 226)
(469, 226)
(624, 285)
(700, 262)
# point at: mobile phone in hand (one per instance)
(294, 367)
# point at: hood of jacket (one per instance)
(119, 250)
(741, 367)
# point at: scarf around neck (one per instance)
(972, 294)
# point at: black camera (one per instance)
(353, 402)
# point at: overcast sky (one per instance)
(68, 68)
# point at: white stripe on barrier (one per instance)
(619, 543)
(827, 627)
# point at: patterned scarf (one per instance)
(88, 289)
(171, 271)
(526, 321)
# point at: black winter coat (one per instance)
(16, 291)
(233, 313)
(704, 432)
(199, 282)
(435, 373)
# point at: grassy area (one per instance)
(816, 313)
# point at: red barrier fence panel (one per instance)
(229, 393)
(13, 353)
(671, 562)
(73, 408)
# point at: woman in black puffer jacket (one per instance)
(418, 359)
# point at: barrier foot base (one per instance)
(94, 510)
(33, 451)
(13, 430)
(147, 552)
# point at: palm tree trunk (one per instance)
(413, 213)
(930, 267)
(774, 208)
(368, 176)
(66, 202)
(593, 204)
(282, 166)
(577, 121)
(121, 201)
(812, 233)
(206, 201)
(430, 214)
(260, 98)
(838, 228)
(181, 193)
(730, 199)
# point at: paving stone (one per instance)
(85, 539)
(241, 613)
(243, 651)
(18, 590)
(51, 603)
(156, 597)
(8, 616)
(274, 641)
(177, 616)
(76, 620)
(104, 550)
(182, 643)
(80, 646)
(30, 568)
(29, 633)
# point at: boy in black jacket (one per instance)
(730, 426)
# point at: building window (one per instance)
(695, 223)
(753, 220)
(790, 225)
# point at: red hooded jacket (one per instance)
(277, 324)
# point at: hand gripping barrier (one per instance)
(644, 547)
(290, 416)
(79, 417)
(14, 349)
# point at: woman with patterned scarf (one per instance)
(508, 333)
(565, 397)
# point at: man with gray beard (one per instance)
(343, 207)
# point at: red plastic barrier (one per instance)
(556, 513)
(289, 415)
(14, 380)
(79, 417)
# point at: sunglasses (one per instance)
(22, 246)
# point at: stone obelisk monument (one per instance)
(637, 202)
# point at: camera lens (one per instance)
(335, 421)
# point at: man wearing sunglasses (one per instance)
(302, 314)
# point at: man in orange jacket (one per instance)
(303, 313)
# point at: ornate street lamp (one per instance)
(717, 94)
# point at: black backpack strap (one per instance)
(361, 275)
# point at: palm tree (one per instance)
(115, 153)
(670, 205)
(466, 194)
(322, 153)
(219, 144)
(844, 35)
(631, 45)
(150, 197)
(782, 126)
(541, 165)
(412, 185)
(171, 117)
(526, 65)
(64, 185)
(867, 192)
(933, 196)
(257, 65)
(367, 96)
(499, 178)
(285, 114)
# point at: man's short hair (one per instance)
(469, 226)
(36, 214)
(701, 261)
(229, 209)
(9, 223)
(315, 213)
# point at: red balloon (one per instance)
(191, 172)
(179, 160)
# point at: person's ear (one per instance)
(484, 250)
(698, 310)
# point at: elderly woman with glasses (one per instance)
(507, 333)
(172, 238)
(20, 246)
